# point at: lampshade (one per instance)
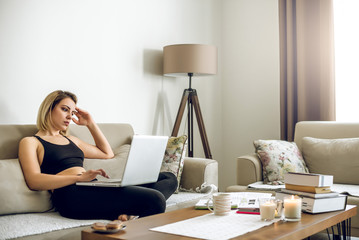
(181, 59)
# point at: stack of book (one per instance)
(315, 191)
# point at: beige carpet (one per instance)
(37, 223)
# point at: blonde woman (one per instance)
(53, 160)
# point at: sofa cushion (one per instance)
(115, 166)
(337, 157)
(174, 157)
(279, 157)
(15, 196)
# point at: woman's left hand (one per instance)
(83, 117)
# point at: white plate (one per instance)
(110, 230)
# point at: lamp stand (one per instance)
(190, 98)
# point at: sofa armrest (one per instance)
(249, 169)
(197, 171)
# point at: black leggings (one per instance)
(84, 202)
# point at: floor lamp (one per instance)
(190, 60)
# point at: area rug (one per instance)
(37, 223)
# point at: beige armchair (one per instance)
(249, 167)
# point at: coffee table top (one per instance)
(309, 225)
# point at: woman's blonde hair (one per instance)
(44, 114)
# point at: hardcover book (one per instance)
(308, 189)
(320, 205)
(309, 194)
(308, 179)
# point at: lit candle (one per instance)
(267, 210)
(292, 207)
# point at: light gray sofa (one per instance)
(345, 169)
(17, 201)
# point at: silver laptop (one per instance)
(143, 163)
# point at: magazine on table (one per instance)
(240, 200)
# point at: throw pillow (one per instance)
(15, 196)
(337, 157)
(115, 166)
(279, 157)
(174, 156)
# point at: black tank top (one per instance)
(60, 157)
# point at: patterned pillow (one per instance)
(174, 156)
(279, 157)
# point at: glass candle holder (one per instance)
(292, 208)
(279, 208)
(267, 208)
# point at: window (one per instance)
(346, 42)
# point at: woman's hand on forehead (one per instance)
(83, 117)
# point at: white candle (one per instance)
(292, 207)
(267, 210)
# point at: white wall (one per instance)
(110, 54)
(250, 79)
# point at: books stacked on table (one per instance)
(315, 191)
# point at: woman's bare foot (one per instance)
(125, 217)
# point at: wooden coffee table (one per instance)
(309, 225)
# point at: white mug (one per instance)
(221, 203)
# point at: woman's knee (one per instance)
(155, 202)
(171, 184)
(159, 201)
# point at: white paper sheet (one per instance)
(346, 188)
(261, 185)
(210, 226)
